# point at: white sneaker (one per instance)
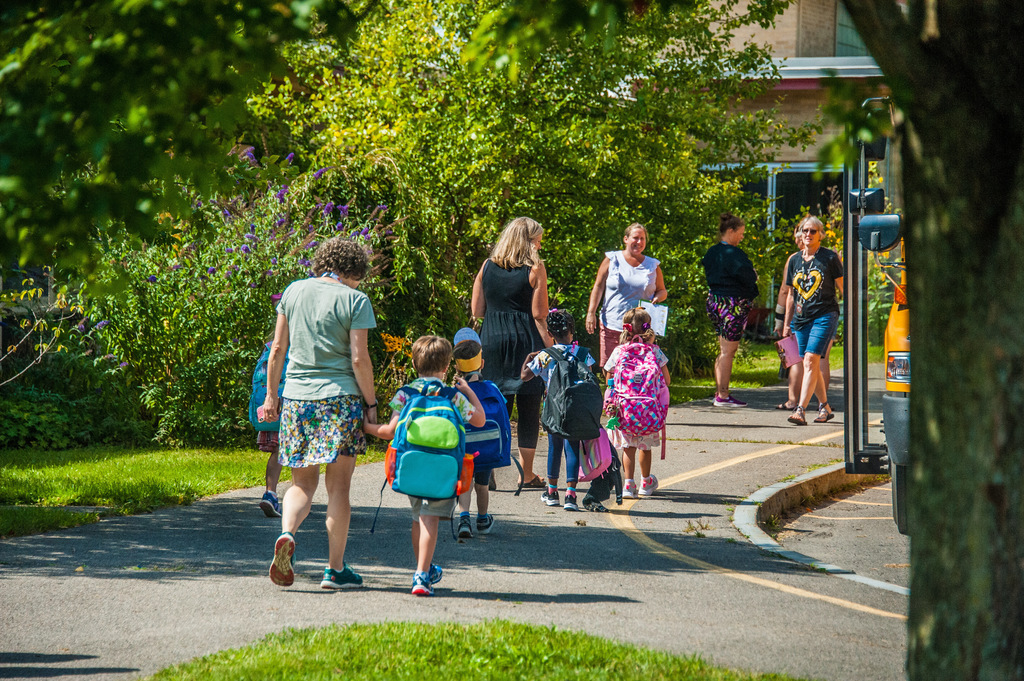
(648, 485)
(629, 489)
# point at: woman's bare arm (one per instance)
(596, 294)
(539, 282)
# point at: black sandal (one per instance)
(797, 417)
(785, 405)
(825, 414)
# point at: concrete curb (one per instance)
(776, 499)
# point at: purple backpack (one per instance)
(639, 394)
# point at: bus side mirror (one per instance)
(871, 200)
(879, 233)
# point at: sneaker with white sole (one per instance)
(648, 485)
(465, 527)
(729, 401)
(421, 585)
(570, 503)
(550, 498)
(484, 523)
(270, 505)
(629, 489)
(281, 571)
(346, 578)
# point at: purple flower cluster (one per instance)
(343, 211)
(151, 279)
(281, 192)
(305, 262)
(289, 158)
(229, 250)
(328, 208)
(319, 173)
(175, 268)
(245, 249)
(102, 325)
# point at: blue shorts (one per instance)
(815, 336)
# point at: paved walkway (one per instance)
(128, 596)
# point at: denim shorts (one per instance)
(817, 334)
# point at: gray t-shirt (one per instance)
(320, 316)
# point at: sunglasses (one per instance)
(809, 231)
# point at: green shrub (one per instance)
(188, 317)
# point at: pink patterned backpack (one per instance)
(639, 395)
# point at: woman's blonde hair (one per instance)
(515, 245)
(813, 219)
(639, 322)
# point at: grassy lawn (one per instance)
(492, 650)
(35, 485)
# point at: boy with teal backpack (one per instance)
(426, 459)
(267, 431)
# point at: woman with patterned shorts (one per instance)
(732, 284)
(322, 325)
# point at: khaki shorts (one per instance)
(439, 507)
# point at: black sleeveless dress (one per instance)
(509, 333)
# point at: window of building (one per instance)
(848, 42)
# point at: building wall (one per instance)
(796, 107)
(806, 29)
(816, 31)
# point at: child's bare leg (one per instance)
(466, 497)
(273, 474)
(645, 463)
(424, 539)
(629, 462)
(483, 500)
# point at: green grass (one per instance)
(35, 484)
(481, 652)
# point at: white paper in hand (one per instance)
(659, 316)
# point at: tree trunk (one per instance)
(954, 68)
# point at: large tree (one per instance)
(956, 70)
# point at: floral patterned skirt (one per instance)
(319, 431)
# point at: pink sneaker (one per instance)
(629, 490)
(648, 485)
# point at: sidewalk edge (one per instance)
(774, 500)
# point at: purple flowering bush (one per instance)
(194, 312)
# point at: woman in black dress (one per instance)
(510, 293)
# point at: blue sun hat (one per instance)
(466, 334)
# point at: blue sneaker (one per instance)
(270, 505)
(346, 578)
(435, 573)
(421, 584)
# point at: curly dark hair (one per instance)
(727, 221)
(561, 324)
(342, 256)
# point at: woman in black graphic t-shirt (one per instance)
(815, 279)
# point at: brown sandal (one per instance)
(825, 414)
(797, 417)
(536, 483)
(785, 405)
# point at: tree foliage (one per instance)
(108, 108)
(587, 140)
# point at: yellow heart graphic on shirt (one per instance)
(806, 283)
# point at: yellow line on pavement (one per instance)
(620, 519)
(863, 503)
(696, 473)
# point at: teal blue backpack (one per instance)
(259, 390)
(427, 453)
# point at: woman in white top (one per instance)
(624, 279)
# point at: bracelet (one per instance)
(372, 406)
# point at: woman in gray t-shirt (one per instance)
(322, 325)
(624, 278)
